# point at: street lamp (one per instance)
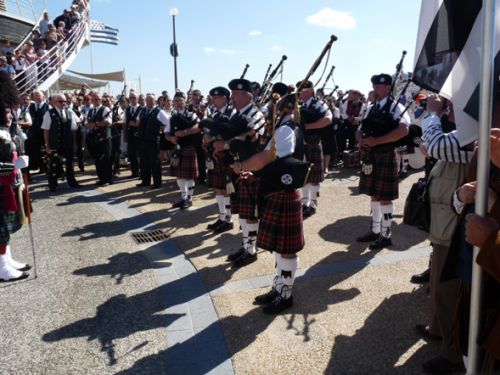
(173, 47)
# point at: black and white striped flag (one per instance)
(102, 33)
(448, 57)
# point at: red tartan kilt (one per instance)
(280, 225)
(383, 183)
(248, 198)
(314, 154)
(216, 178)
(188, 166)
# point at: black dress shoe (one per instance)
(423, 331)
(441, 365)
(75, 186)
(368, 237)
(223, 227)
(380, 243)
(186, 204)
(244, 259)
(215, 225)
(142, 184)
(134, 175)
(235, 254)
(154, 187)
(23, 276)
(421, 278)
(178, 204)
(278, 304)
(26, 267)
(266, 298)
(308, 212)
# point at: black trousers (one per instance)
(200, 156)
(347, 132)
(79, 147)
(103, 164)
(115, 152)
(133, 153)
(150, 162)
(68, 168)
(34, 151)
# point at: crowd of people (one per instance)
(28, 62)
(265, 151)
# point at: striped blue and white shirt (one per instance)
(440, 145)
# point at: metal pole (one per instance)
(483, 166)
(175, 54)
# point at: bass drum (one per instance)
(416, 160)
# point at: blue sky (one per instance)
(217, 38)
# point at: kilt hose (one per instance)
(280, 225)
(216, 178)
(9, 223)
(247, 198)
(188, 164)
(382, 184)
(314, 155)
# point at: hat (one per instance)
(382, 79)
(241, 85)
(280, 88)
(3, 58)
(180, 94)
(196, 92)
(219, 91)
(36, 31)
(306, 85)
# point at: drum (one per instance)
(351, 159)
(416, 160)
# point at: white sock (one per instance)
(189, 189)
(278, 280)
(244, 231)
(314, 195)
(227, 208)
(220, 205)
(7, 272)
(387, 211)
(376, 216)
(306, 198)
(406, 161)
(252, 237)
(182, 186)
(288, 269)
(11, 262)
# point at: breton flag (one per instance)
(102, 33)
(448, 57)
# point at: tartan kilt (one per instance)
(216, 178)
(9, 223)
(280, 225)
(188, 165)
(247, 198)
(314, 154)
(383, 183)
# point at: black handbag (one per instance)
(417, 211)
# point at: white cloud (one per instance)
(254, 33)
(276, 48)
(328, 17)
(208, 49)
(228, 51)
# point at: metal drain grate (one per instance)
(149, 236)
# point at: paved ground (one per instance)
(103, 304)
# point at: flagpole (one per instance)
(91, 59)
(483, 166)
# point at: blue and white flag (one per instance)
(102, 33)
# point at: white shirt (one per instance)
(285, 140)
(47, 121)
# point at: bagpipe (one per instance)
(265, 94)
(182, 122)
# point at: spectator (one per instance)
(63, 17)
(44, 23)
(20, 65)
(7, 48)
(7, 68)
(51, 37)
(37, 39)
